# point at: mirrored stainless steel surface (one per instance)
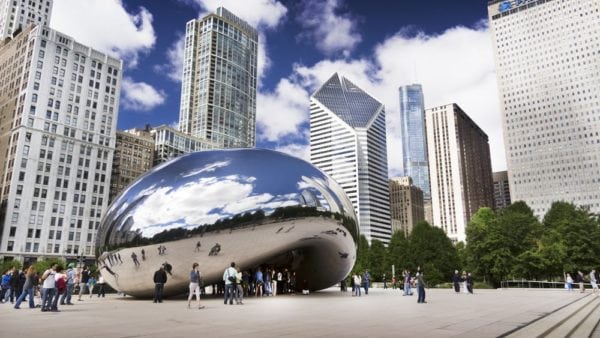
(250, 206)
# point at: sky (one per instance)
(379, 45)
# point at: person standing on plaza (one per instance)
(30, 283)
(394, 281)
(229, 277)
(194, 286)
(70, 276)
(580, 280)
(469, 283)
(367, 281)
(456, 282)
(101, 284)
(407, 280)
(14, 285)
(6, 282)
(259, 283)
(569, 282)
(84, 278)
(61, 287)
(239, 294)
(91, 284)
(48, 288)
(420, 287)
(357, 283)
(593, 281)
(160, 278)
(384, 281)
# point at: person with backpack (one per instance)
(229, 277)
(160, 278)
(70, 278)
(61, 287)
(48, 288)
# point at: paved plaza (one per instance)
(329, 313)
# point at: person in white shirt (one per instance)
(48, 288)
(229, 277)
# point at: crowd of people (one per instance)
(53, 287)
(581, 279)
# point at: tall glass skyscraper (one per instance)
(414, 142)
(347, 141)
(547, 65)
(218, 90)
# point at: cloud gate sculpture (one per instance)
(258, 208)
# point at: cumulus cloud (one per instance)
(141, 96)
(300, 150)
(454, 66)
(173, 68)
(328, 29)
(106, 25)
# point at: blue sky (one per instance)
(379, 45)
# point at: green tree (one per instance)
(362, 255)
(377, 260)
(431, 249)
(397, 254)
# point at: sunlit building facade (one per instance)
(548, 70)
(59, 103)
(348, 142)
(460, 169)
(218, 90)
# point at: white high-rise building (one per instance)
(218, 89)
(460, 169)
(15, 15)
(348, 142)
(59, 102)
(548, 69)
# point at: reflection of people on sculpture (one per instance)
(135, 260)
(198, 245)
(161, 250)
(109, 271)
(119, 256)
(278, 231)
(215, 250)
(168, 268)
(160, 278)
(143, 255)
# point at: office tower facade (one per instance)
(414, 141)
(501, 190)
(16, 15)
(134, 156)
(406, 204)
(218, 90)
(170, 143)
(548, 81)
(348, 142)
(59, 104)
(460, 169)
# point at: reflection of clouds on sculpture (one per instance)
(207, 168)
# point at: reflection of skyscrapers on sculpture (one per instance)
(253, 207)
(218, 90)
(348, 142)
(546, 55)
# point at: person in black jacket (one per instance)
(160, 278)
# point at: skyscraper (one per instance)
(414, 142)
(460, 168)
(218, 90)
(59, 103)
(546, 55)
(348, 142)
(17, 15)
(134, 156)
(501, 190)
(406, 204)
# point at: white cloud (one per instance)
(105, 25)
(455, 66)
(300, 150)
(330, 31)
(141, 96)
(281, 112)
(173, 69)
